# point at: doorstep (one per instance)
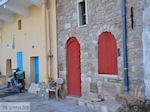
(93, 103)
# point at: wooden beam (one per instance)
(24, 11)
(36, 2)
(6, 17)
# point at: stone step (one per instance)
(107, 106)
(103, 106)
(73, 100)
(93, 103)
(33, 88)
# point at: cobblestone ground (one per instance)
(39, 104)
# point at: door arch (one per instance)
(73, 67)
(107, 54)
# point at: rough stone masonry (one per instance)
(104, 16)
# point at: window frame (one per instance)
(78, 13)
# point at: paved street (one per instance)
(39, 104)
(4, 91)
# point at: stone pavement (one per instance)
(39, 104)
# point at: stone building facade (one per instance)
(102, 16)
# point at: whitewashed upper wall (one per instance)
(146, 47)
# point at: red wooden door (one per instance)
(73, 67)
(107, 54)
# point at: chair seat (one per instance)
(55, 86)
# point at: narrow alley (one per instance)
(89, 54)
(38, 104)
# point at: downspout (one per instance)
(124, 32)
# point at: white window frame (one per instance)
(86, 14)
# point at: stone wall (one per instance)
(103, 16)
(146, 47)
(135, 49)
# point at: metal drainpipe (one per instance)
(124, 32)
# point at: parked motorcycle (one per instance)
(18, 80)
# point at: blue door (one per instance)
(36, 69)
(20, 60)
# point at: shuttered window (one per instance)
(107, 54)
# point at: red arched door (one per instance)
(73, 67)
(107, 54)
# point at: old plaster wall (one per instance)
(103, 15)
(146, 47)
(30, 35)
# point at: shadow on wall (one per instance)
(8, 67)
